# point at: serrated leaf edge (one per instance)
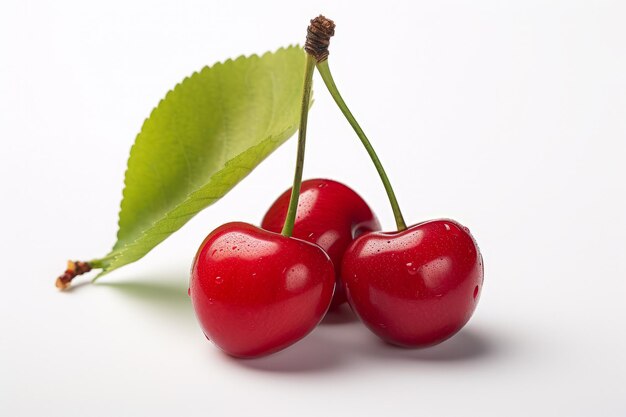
(115, 254)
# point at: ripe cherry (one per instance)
(331, 215)
(419, 285)
(256, 292)
(416, 287)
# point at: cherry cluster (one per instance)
(256, 291)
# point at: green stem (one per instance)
(99, 263)
(324, 71)
(297, 179)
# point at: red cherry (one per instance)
(256, 292)
(331, 215)
(416, 287)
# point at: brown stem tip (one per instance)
(318, 37)
(74, 269)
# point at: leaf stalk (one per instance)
(74, 269)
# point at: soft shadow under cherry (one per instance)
(342, 314)
(314, 353)
(467, 345)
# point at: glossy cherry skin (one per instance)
(331, 215)
(416, 287)
(256, 292)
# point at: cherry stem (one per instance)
(324, 70)
(297, 179)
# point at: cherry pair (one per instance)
(256, 291)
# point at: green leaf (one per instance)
(204, 137)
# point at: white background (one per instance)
(507, 116)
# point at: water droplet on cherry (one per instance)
(411, 268)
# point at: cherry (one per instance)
(256, 292)
(331, 215)
(415, 287)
